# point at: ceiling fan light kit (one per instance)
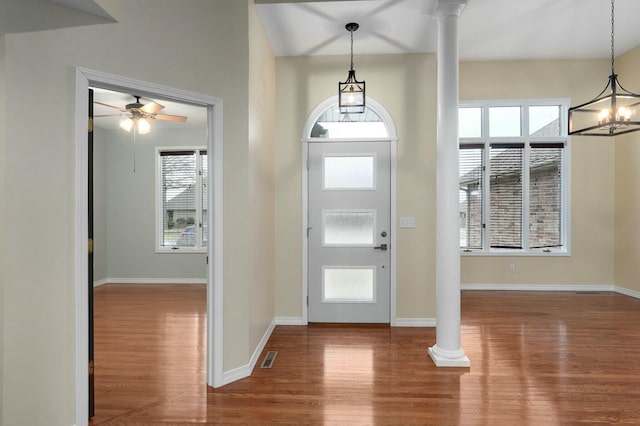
(138, 116)
(613, 112)
(351, 92)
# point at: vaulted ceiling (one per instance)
(489, 29)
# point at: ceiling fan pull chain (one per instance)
(134, 151)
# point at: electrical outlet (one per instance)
(512, 267)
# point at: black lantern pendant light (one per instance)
(351, 93)
(613, 112)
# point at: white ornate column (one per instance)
(448, 352)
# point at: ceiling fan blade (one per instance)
(110, 106)
(151, 107)
(166, 117)
(111, 115)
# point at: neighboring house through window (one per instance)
(513, 173)
(182, 200)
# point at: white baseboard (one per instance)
(236, 374)
(398, 322)
(552, 287)
(627, 292)
(245, 370)
(100, 282)
(262, 344)
(150, 281)
(414, 322)
(537, 287)
(289, 321)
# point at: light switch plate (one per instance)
(407, 222)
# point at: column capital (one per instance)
(449, 8)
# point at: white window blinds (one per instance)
(183, 176)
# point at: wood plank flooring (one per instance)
(536, 359)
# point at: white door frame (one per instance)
(392, 139)
(85, 78)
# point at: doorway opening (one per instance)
(86, 79)
(348, 217)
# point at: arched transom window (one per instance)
(333, 125)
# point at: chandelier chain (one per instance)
(612, 36)
(351, 49)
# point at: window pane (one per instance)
(332, 124)
(544, 121)
(349, 172)
(470, 122)
(204, 173)
(348, 228)
(348, 285)
(504, 121)
(506, 197)
(545, 196)
(471, 170)
(178, 199)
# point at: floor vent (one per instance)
(269, 359)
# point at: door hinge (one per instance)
(90, 245)
(90, 124)
(307, 300)
(91, 368)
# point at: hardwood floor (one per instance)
(536, 359)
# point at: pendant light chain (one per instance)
(351, 31)
(351, 92)
(612, 37)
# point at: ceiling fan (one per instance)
(138, 115)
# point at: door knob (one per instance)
(382, 247)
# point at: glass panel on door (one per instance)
(348, 228)
(348, 284)
(349, 172)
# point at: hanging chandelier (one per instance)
(613, 112)
(351, 93)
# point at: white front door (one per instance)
(349, 227)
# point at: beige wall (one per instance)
(591, 260)
(627, 194)
(2, 210)
(196, 45)
(404, 84)
(125, 206)
(261, 178)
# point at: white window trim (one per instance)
(526, 139)
(200, 248)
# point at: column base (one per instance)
(446, 358)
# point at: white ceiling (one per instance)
(489, 29)
(87, 6)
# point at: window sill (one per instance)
(515, 253)
(181, 250)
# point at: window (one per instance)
(182, 188)
(334, 125)
(513, 173)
